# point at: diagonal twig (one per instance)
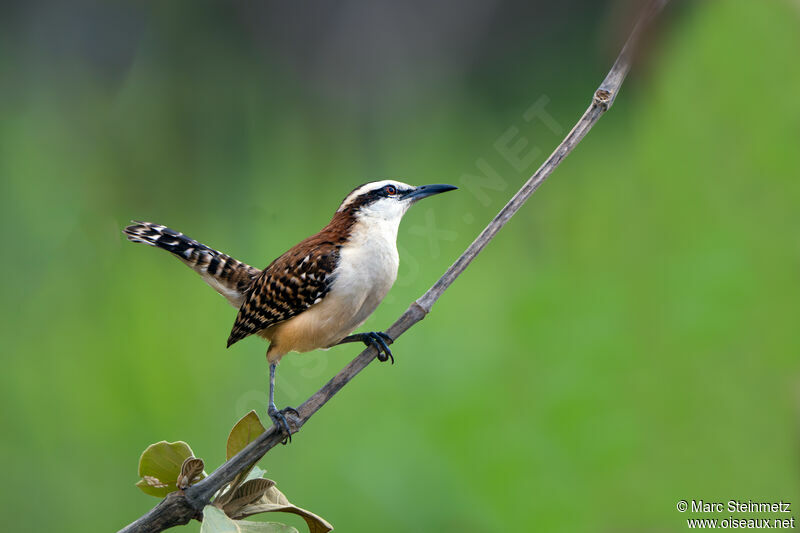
(181, 506)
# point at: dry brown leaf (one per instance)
(191, 472)
(273, 500)
(250, 492)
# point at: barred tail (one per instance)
(226, 275)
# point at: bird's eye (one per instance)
(391, 190)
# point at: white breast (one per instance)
(367, 270)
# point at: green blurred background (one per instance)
(629, 340)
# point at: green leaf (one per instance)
(215, 521)
(160, 466)
(243, 433)
(153, 486)
(273, 500)
(264, 527)
(255, 473)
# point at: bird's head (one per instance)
(387, 200)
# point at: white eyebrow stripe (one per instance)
(369, 187)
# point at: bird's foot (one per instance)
(279, 419)
(381, 342)
(378, 339)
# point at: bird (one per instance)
(318, 292)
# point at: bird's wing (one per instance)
(294, 282)
(226, 275)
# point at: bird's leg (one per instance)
(378, 339)
(278, 417)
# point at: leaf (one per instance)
(250, 492)
(147, 483)
(255, 473)
(226, 493)
(215, 521)
(243, 433)
(160, 466)
(273, 500)
(191, 472)
(264, 527)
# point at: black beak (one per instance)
(424, 191)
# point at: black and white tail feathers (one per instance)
(226, 275)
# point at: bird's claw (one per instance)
(279, 419)
(379, 339)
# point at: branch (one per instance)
(180, 507)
